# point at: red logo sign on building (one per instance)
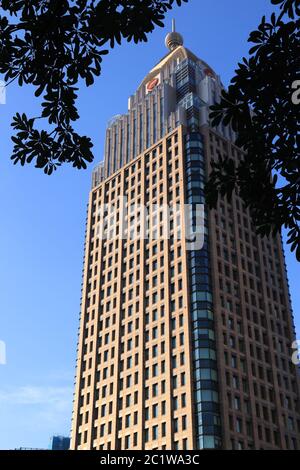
(152, 84)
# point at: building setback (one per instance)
(179, 347)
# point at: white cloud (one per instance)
(31, 414)
(32, 395)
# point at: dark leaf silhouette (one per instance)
(52, 45)
(260, 108)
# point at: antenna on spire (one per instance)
(173, 39)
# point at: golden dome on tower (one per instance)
(173, 39)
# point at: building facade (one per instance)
(180, 346)
(59, 443)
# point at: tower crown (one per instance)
(173, 39)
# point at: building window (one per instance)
(155, 433)
(127, 442)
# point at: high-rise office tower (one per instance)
(180, 346)
(59, 443)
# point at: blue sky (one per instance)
(43, 223)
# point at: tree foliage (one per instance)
(52, 45)
(259, 107)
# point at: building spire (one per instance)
(173, 25)
(173, 39)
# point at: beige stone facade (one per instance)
(179, 349)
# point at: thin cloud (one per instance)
(33, 395)
(31, 414)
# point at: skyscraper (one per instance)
(59, 443)
(180, 346)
